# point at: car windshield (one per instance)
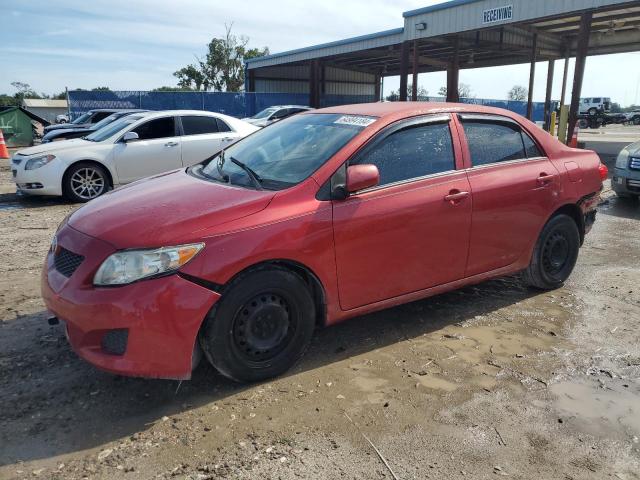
(82, 118)
(284, 154)
(112, 128)
(265, 113)
(105, 121)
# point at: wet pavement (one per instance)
(489, 381)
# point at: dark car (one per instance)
(79, 132)
(85, 120)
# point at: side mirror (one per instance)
(360, 177)
(130, 137)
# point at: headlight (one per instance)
(132, 265)
(623, 159)
(37, 162)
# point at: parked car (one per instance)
(626, 175)
(85, 120)
(69, 133)
(133, 147)
(62, 118)
(274, 114)
(633, 117)
(595, 105)
(324, 216)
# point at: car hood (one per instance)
(56, 146)
(167, 209)
(633, 149)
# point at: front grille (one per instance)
(634, 164)
(66, 262)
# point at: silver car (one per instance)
(273, 114)
(626, 175)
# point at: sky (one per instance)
(137, 45)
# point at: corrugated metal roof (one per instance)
(348, 44)
(44, 102)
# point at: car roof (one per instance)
(395, 110)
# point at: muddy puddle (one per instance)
(599, 410)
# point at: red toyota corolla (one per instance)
(318, 218)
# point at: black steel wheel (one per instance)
(555, 253)
(261, 326)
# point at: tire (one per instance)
(636, 120)
(555, 254)
(95, 178)
(261, 326)
(593, 112)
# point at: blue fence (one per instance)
(242, 104)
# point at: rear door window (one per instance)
(198, 125)
(99, 116)
(413, 152)
(223, 126)
(491, 142)
(530, 147)
(158, 128)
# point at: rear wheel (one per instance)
(593, 111)
(261, 326)
(84, 182)
(555, 254)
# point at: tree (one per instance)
(24, 90)
(101, 89)
(464, 91)
(394, 96)
(518, 93)
(173, 89)
(222, 68)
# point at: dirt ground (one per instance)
(490, 381)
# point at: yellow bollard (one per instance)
(552, 123)
(563, 123)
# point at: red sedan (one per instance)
(321, 217)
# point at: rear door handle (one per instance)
(171, 144)
(545, 179)
(456, 196)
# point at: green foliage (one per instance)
(23, 90)
(173, 89)
(222, 68)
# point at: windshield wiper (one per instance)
(255, 178)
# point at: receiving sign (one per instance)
(497, 14)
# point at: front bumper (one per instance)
(46, 180)
(626, 182)
(161, 317)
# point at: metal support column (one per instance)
(252, 80)
(578, 76)
(314, 84)
(376, 91)
(414, 85)
(532, 75)
(547, 98)
(404, 70)
(563, 95)
(453, 74)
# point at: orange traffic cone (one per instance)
(574, 138)
(4, 153)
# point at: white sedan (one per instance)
(136, 146)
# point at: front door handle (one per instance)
(545, 179)
(171, 144)
(227, 139)
(456, 196)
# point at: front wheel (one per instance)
(555, 254)
(261, 326)
(84, 182)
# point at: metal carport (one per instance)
(459, 34)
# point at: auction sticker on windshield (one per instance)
(354, 120)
